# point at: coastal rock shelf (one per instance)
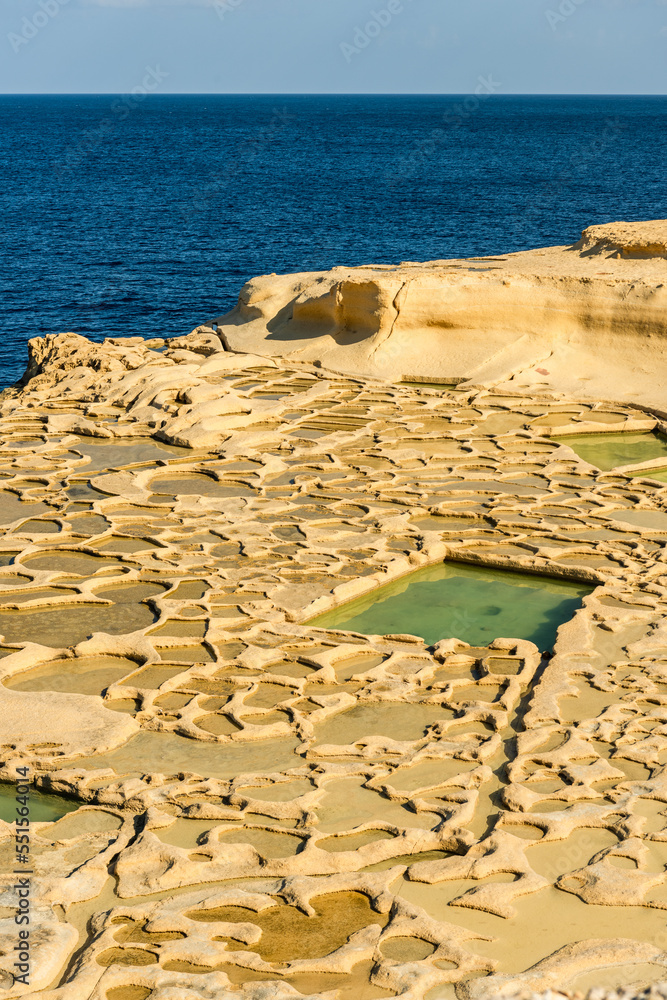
(588, 320)
(235, 794)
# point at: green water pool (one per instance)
(466, 602)
(608, 451)
(43, 808)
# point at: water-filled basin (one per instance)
(609, 451)
(453, 600)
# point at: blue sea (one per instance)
(122, 218)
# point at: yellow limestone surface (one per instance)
(269, 809)
(588, 319)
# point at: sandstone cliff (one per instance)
(588, 319)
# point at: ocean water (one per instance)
(147, 221)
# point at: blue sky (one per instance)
(333, 46)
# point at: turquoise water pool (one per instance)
(472, 603)
(608, 451)
(43, 808)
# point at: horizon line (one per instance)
(323, 93)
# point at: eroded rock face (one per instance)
(587, 319)
(64, 352)
(626, 239)
(272, 809)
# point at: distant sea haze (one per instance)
(126, 218)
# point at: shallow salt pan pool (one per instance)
(44, 808)
(609, 451)
(472, 603)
